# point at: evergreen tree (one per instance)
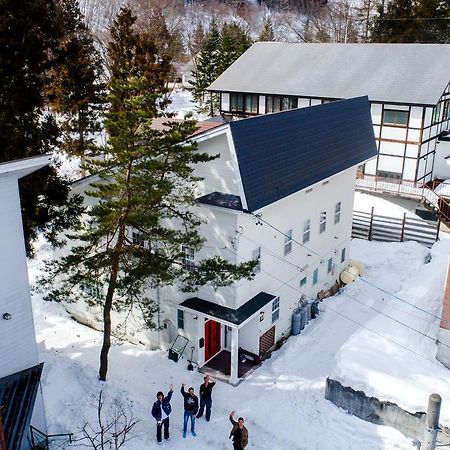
(234, 41)
(29, 34)
(409, 21)
(207, 70)
(197, 40)
(147, 186)
(267, 34)
(74, 87)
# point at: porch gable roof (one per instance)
(233, 316)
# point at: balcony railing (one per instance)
(435, 195)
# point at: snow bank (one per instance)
(391, 358)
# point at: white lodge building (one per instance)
(21, 401)
(281, 192)
(407, 85)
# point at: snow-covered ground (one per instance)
(283, 400)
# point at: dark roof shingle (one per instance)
(235, 316)
(282, 153)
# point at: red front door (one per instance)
(212, 339)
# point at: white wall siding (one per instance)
(279, 274)
(415, 117)
(218, 175)
(16, 335)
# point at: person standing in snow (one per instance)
(161, 411)
(190, 409)
(205, 397)
(239, 433)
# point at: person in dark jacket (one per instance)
(205, 397)
(161, 411)
(190, 409)
(239, 433)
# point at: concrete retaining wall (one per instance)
(373, 410)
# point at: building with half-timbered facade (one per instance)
(407, 85)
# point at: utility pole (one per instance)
(432, 423)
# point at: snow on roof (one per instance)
(25, 166)
(397, 73)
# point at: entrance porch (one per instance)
(228, 339)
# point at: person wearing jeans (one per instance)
(161, 411)
(205, 397)
(190, 409)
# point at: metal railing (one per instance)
(429, 194)
(42, 441)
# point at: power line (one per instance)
(302, 272)
(327, 306)
(259, 218)
(364, 304)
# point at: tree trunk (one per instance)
(115, 266)
(108, 305)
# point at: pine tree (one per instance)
(409, 21)
(29, 34)
(207, 70)
(146, 182)
(74, 88)
(234, 41)
(267, 34)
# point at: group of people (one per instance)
(194, 409)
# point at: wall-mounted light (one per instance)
(195, 317)
(7, 316)
(447, 160)
(336, 237)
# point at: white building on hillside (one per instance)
(407, 85)
(281, 193)
(20, 395)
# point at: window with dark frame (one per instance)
(276, 103)
(276, 309)
(303, 281)
(330, 265)
(323, 221)
(180, 319)
(306, 230)
(188, 258)
(446, 115)
(337, 213)
(436, 113)
(395, 117)
(244, 103)
(343, 255)
(315, 276)
(288, 242)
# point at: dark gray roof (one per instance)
(397, 73)
(236, 316)
(282, 153)
(229, 201)
(17, 395)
